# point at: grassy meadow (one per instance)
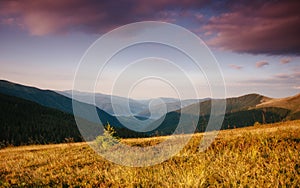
(257, 156)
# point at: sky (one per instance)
(256, 43)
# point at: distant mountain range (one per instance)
(104, 102)
(138, 108)
(32, 115)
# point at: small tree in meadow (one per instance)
(108, 139)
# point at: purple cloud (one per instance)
(256, 27)
(259, 27)
(48, 17)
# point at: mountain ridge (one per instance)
(138, 108)
(240, 111)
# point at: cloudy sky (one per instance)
(257, 43)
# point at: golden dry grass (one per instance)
(264, 156)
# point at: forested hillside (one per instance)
(24, 122)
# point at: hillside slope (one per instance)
(240, 112)
(23, 122)
(262, 156)
(290, 103)
(56, 101)
(46, 98)
(233, 104)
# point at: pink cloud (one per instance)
(294, 76)
(261, 64)
(282, 76)
(48, 16)
(237, 67)
(285, 60)
(45, 17)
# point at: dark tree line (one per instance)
(24, 122)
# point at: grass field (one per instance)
(260, 156)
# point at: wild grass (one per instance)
(260, 156)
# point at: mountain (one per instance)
(240, 111)
(138, 108)
(16, 101)
(169, 105)
(233, 104)
(43, 97)
(104, 102)
(290, 103)
(56, 101)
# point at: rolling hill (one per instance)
(56, 101)
(25, 122)
(53, 100)
(233, 104)
(290, 103)
(46, 98)
(240, 112)
(26, 104)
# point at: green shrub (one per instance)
(107, 139)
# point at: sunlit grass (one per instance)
(261, 156)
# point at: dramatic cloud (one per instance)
(47, 16)
(285, 60)
(237, 67)
(256, 27)
(268, 27)
(261, 64)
